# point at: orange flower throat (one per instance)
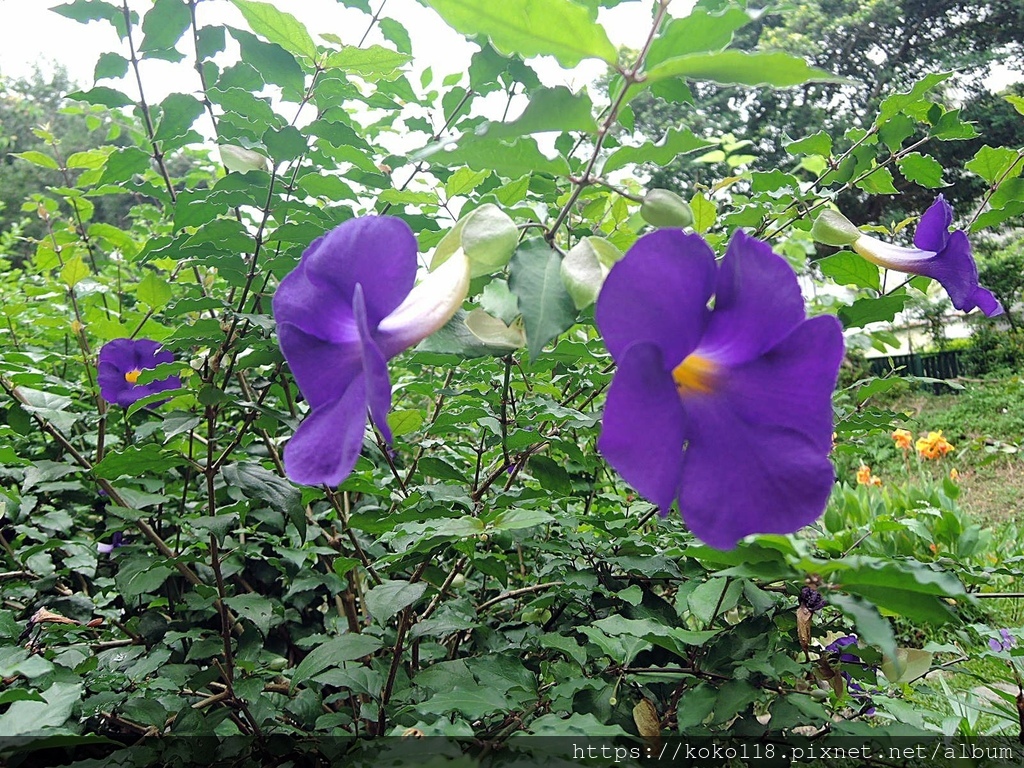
(132, 376)
(695, 375)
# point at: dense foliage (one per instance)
(488, 576)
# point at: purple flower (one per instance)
(940, 254)
(116, 540)
(120, 363)
(347, 308)
(727, 410)
(1005, 642)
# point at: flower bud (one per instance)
(662, 208)
(832, 228)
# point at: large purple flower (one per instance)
(939, 254)
(121, 361)
(727, 410)
(347, 308)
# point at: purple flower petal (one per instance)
(933, 229)
(316, 310)
(321, 368)
(658, 295)
(995, 645)
(326, 445)
(740, 478)
(757, 302)
(375, 369)
(377, 252)
(644, 425)
(789, 388)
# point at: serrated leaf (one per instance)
(37, 158)
(735, 67)
(847, 268)
(704, 212)
(921, 169)
(675, 142)
(277, 26)
(865, 311)
(698, 32)
(153, 291)
(74, 271)
(388, 598)
(535, 277)
(549, 109)
(899, 102)
(559, 28)
(819, 143)
(464, 180)
(334, 653)
(163, 25)
(107, 97)
(510, 159)
(370, 63)
(991, 163)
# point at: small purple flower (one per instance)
(116, 540)
(1005, 642)
(939, 254)
(342, 313)
(120, 363)
(837, 646)
(727, 410)
(811, 599)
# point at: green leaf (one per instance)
(153, 291)
(474, 703)
(847, 268)
(388, 598)
(734, 67)
(178, 112)
(136, 461)
(277, 26)
(899, 102)
(991, 163)
(404, 422)
(163, 25)
(274, 63)
(32, 716)
(878, 182)
(37, 158)
(1017, 102)
(535, 277)
(84, 11)
(704, 212)
(675, 142)
(921, 169)
(372, 63)
(256, 608)
(517, 519)
(334, 653)
(107, 97)
(549, 109)
(258, 482)
(871, 627)
(559, 28)
(864, 311)
(819, 143)
(698, 32)
(464, 180)
(510, 159)
(74, 271)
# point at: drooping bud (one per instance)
(832, 228)
(662, 208)
(488, 237)
(585, 267)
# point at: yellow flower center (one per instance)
(695, 375)
(132, 376)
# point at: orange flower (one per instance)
(903, 439)
(864, 476)
(934, 446)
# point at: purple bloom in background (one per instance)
(116, 540)
(120, 363)
(940, 254)
(1005, 643)
(342, 313)
(727, 410)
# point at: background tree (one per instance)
(882, 48)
